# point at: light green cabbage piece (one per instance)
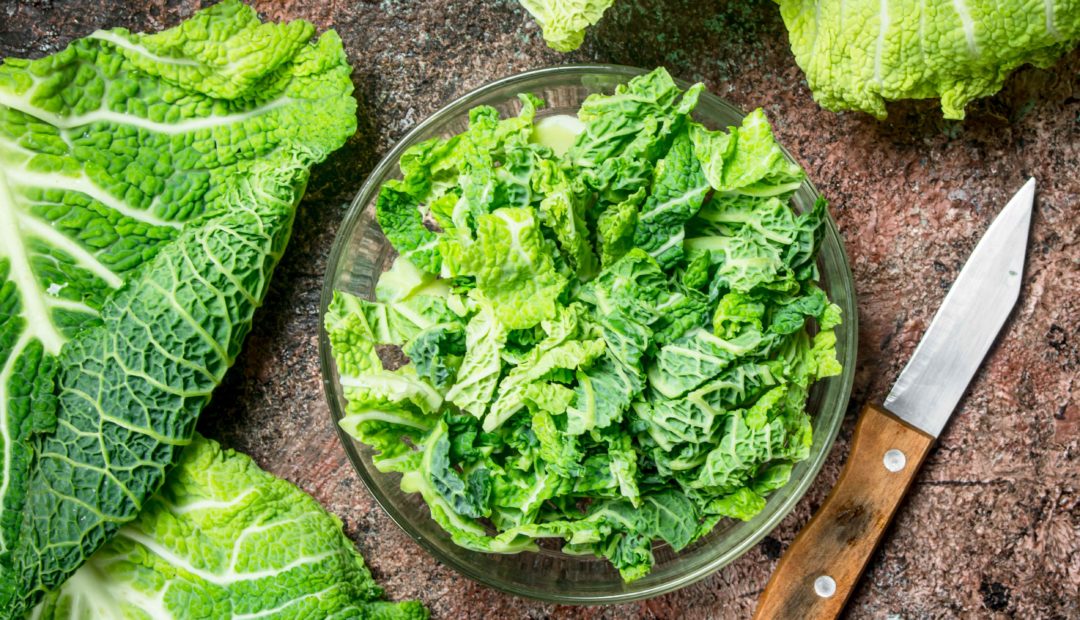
(148, 185)
(399, 216)
(615, 228)
(512, 264)
(858, 54)
(564, 349)
(634, 123)
(608, 387)
(746, 159)
(564, 21)
(679, 189)
(695, 357)
(224, 539)
(354, 327)
(478, 375)
(563, 211)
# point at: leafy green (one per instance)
(512, 264)
(398, 214)
(437, 353)
(679, 189)
(697, 356)
(628, 530)
(481, 366)
(224, 539)
(637, 287)
(148, 184)
(859, 54)
(558, 356)
(469, 495)
(564, 21)
(562, 210)
(606, 389)
(615, 228)
(635, 124)
(612, 403)
(745, 160)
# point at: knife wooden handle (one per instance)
(820, 569)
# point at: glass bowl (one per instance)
(360, 253)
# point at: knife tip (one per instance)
(1024, 198)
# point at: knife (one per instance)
(819, 571)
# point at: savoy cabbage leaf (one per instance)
(564, 21)
(148, 185)
(679, 189)
(512, 264)
(859, 54)
(224, 539)
(399, 216)
(481, 365)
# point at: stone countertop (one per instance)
(991, 527)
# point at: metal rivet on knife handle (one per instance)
(825, 586)
(895, 460)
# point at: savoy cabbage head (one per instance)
(148, 184)
(224, 539)
(860, 54)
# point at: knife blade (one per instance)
(819, 571)
(976, 306)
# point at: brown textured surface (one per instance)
(992, 525)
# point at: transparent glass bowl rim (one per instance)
(369, 190)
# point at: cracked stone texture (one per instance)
(991, 527)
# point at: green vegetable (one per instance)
(679, 188)
(511, 263)
(224, 539)
(620, 355)
(564, 21)
(148, 184)
(858, 54)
